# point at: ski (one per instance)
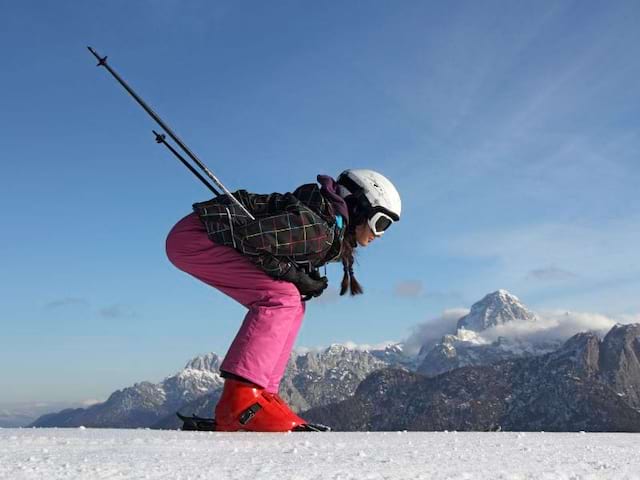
(195, 423)
(312, 427)
(201, 424)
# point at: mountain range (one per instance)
(463, 382)
(586, 385)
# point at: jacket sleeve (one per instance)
(272, 266)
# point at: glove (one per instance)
(308, 285)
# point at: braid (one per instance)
(349, 280)
(349, 244)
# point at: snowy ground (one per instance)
(97, 454)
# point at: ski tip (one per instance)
(311, 427)
(180, 416)
(197, 423)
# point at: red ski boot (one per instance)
(303, 425)
(283, 405)
(243, 407)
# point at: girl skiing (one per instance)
(270, 265)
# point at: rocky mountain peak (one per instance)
(336, 348)
(558, 391)
(620, 361)
(397, 348)
(580, 353)
(622, 336)
(209, 362)
(496, 308)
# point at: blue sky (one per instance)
(510, 129)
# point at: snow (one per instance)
(153, 454)
(469, 336)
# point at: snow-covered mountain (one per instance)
(496, 308)
(320, 378)
(395, 355)
(315, 379)
(467, 346)
(144, 403)
(311, 379)
(586, 385)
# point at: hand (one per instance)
(308, 285)
(315, 274)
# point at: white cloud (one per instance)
(431, 331)
(553, 325)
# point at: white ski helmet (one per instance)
(374, 194)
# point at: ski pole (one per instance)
(102, 62)
(161, 138)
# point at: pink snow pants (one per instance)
(262, 346)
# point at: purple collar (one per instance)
(329, 188)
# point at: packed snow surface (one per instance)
(141, 454)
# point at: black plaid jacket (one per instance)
(297, 227)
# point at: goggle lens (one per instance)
(382, 222)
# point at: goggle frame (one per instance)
(373, 219)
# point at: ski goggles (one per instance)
(379, 222)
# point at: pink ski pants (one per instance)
(262, 346)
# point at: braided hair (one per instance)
(357, 217)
